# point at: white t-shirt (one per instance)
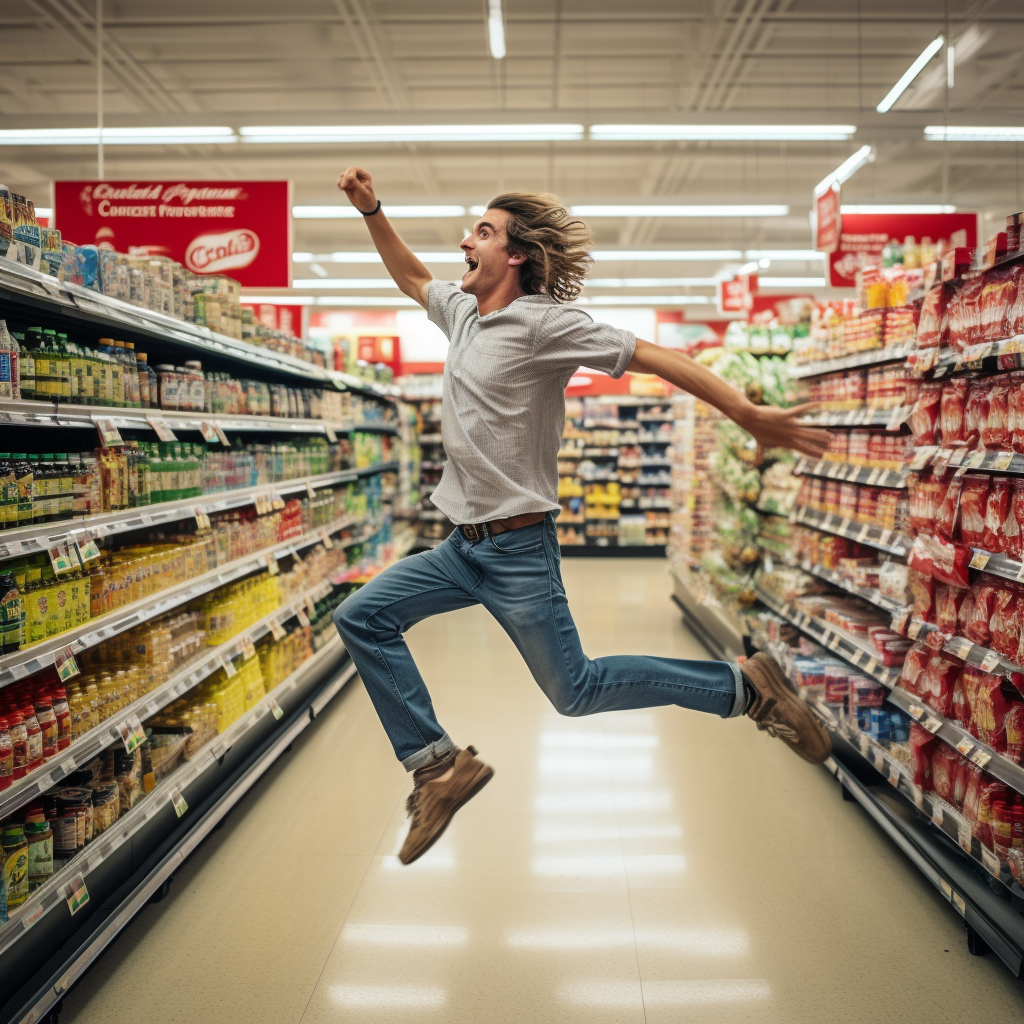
(503, 410)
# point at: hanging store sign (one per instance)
(828, 220)
(735, 294)
(863, 236)
(238, 228)
(277, 316)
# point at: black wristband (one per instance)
(376, 209)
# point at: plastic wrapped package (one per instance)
(995, 431)
(997, 508)
(1005, 623)
(926, 492)
(947, 513)
(990, 701)
(914, 665)
(937, 682)
(1013, 524)
(973, 506)
(975, 613)
(976, 410)
(948, 600)
(965, 314)
(924, 417)
(893, 581)
(922, 594)
(922, 744)
(997, 300)
(1015, 411)
(942, 559)
(1014, 725)
(952, 413)
(933, 326)
(945, 768)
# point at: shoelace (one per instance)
(779, 730)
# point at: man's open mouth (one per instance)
(471, 264)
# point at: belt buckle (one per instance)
(470, 532)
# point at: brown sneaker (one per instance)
(433, 802)
(779, 712)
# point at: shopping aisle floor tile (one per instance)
(654, 865)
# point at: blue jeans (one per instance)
(516, 577)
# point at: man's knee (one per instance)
(350, 616)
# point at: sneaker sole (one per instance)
(781, 692)
(483, 777)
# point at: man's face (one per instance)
(489, 265)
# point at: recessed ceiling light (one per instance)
(721, 132)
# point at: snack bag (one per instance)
(1014, 724)
(961, 701)
(947, 606)
(989, 705)
(914, 666)
(922, 594)
(922, 745)
(952, 406)
(976, 411)
(933, 326)
(1005, 624)
(975, 614)
(997, 508)
(942, 559)
(924, 417)
(995, 432)
(973, 504)
(938, 682)
(945, 768)
(949, 508)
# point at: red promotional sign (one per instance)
(277, 317)
(829, 220)
(865, 235)
(734, 294)
(238, 228)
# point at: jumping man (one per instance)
(514, 345)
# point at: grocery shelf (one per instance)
(889, 418)
(58, 767)
(29, 660)
(942, 361)
(966, 650)
(712, 623)
(26, 540)
(864, 533)
(869, 594)
(872, 357)
(839, 641)
(31, 290)
(997, 564)
(872, 476)
(976, 460)
(51, 895)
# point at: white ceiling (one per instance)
(305, 62)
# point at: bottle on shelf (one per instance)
(26, 368)
(10, 377)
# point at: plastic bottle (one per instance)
(6, 755)
(15, 865)
(47, 723)
(10, 613)
(40, 849)
(8, 492)
(142, 363)
(60, 345)
(131, 361)
(10, 386)
(26, 368)
(19, 744)
(62, 713)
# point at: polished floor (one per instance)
(657, 866)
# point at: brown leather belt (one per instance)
(478, 531)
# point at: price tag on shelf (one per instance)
(981, 757)
(894, 774)
(132, 734)
(109, 436)
(938, 816)
(926, 359)
(1002, 460)
(221, 436)
(922, 456)
(294, 552)
(864, 743)
(209, 432)
(844, 524)
(248, 648)
(965, 746)
(958, 901)
(202, 519)
(303, 618)
(959, 647)
(918, 796)
(327, 541)
(915, 711)
(932, 724)
(947, 889)
(885, 537)
(310, 491)
(276, 630)
(977, 459)
(310, 606)
(276, 500)
(990, 662)
(178, 802)
(899, 414)
(871, 665)
(963, 837)
(833, 642)
(332, 434)
(60, 558)
(275, 709)
(229, 667)
(76, 894)
(878, 760)
(979, 559)
(271, 563)
(88, 549)
(990, 862)
(956, 457)
(873, 477)
(914, 629)
(65, 664)
(163, 431)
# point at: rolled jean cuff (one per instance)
(428, 754)
(740, 704)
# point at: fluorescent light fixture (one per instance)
(495, 29)
(910, 74)
(358, 303)
(117, 136)
(413, 133)
(899, 208)
(646, 300)
(651, 282)
(791, 282)
(747, 268)
(776, 210)
(969, 133)
(721, 132)
(339, 212)
(373, 257)
(847, 168)
(281, 300)
(795, 255)
(343, 282)
(600, 256)
(665, 255)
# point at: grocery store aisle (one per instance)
(648, 866)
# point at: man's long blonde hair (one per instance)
(556, 247)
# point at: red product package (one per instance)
(942, 559)
(922, 743)
(997, 300)
(973, 504)
(922, 593)
(924, 417)
(991, 792)
(1015, 318)
(945, 769)
(965, 314)
(949, 508)
(976, 612)
(952, 407)
(995, 431)
(997, 508)
(961, 701)
(937, 683)
(1015, 410)
(976, 411)
(1013, 524)
(1005, 623)
(1014, 723)
(914, 666)
(947, 606)
(926, 494)
(933, 326)
(989, 705)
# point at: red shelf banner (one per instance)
(863, 236)
(242, 229)
(828, 220)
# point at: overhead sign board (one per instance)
(828, 219)
(734, 294)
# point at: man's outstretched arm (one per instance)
(405, 269)
(769, 425)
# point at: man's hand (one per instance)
(772, 427)
(358, 186)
